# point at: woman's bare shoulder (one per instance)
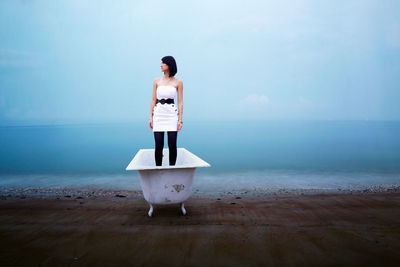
(156, 80)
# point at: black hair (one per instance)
(170, 61)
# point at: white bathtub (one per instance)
(166, 184)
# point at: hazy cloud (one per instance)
(253, 99)
(304, 100)
(393, 35)
(82, 60)
(10, 58)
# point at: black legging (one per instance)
(159, 139)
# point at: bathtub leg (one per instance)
(150, 210)
(183, 209)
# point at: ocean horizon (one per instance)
(244, 155)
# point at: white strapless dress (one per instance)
(165, 116)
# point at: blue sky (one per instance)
(95, 61)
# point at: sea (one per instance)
(244, 155)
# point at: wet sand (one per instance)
(237, 229)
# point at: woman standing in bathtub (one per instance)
(164, 114)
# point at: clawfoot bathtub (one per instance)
(166, 184)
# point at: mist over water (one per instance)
(242, 154)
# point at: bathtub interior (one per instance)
(144, 160)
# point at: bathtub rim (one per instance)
(133, 165)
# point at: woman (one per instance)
(164, 115)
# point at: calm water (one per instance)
(243, 155)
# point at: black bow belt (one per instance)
(163, 101)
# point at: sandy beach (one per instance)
(111, 228)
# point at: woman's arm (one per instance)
(180, 99)
(153, 98)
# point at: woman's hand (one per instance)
(179, 126)
(151, 123)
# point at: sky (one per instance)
(95, 61)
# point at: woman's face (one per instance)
(164, 67)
